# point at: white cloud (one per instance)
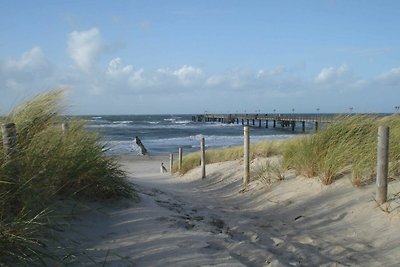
(115, 67)
(390, 78)
(32, 59)
(84, 47)
(270, 73)
(32, 69)
(188, 74)
(332, 74)
(235, 79)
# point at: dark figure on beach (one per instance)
(163, 169)
(141, 146)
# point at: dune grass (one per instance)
(51, 165)
(261, 149)
(348, 144)
(345, 146)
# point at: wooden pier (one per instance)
(264, 120)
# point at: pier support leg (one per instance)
(316, 126)
(274, 123)
(293, 125)
(303, 126)
(247, 122)
(259, 123)
(242, 121)
(266, 123)
(253, 122)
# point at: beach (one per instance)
(187, 221)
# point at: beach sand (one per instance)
(186, 221)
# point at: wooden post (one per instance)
(64, 127)
(259, 123)
(266, 123)
(303, 126)
(382, 164)
(180, 159)
(246, 156)
(143, 150)
(293, 125)
(274, 123)
(203, 158)
(316, 126)
(9, 133)
(171, 162)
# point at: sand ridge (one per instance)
(186, 221)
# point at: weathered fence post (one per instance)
(246, 156)
(203, 158)
(382, 164)
(9, 133)
(65, 127)
(171, 162)
(180, 159)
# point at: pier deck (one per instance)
(285, 120)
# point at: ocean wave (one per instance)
(122, 122)
(183, 122)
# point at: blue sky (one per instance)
(152, 57)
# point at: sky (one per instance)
(186, 57)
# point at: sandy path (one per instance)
(184, 221)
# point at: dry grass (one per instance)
(269, 172)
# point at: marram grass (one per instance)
(261, 149)
(348, 145)
(51, 165)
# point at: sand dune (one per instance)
(186, 221)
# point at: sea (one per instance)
(164, 134)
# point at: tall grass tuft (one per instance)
(348, 144)
(52, 165)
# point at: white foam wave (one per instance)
(122, 122)
(183, 122)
